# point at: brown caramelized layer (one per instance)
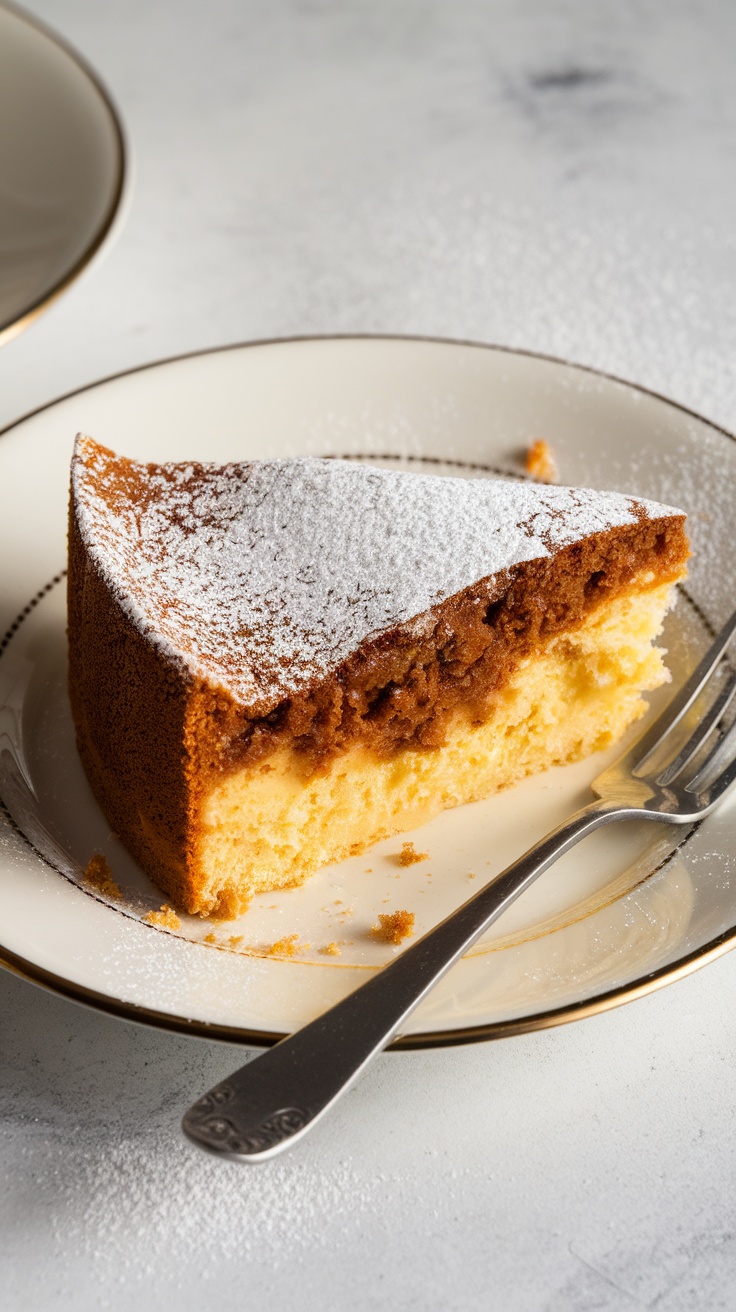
(401, 689)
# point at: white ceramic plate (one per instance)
(62, 167)
(623, 913)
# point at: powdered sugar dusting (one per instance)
(264, 576)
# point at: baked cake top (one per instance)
(262, 577)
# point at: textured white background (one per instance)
(559, 176)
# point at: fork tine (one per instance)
(700, 733)
(723, 747)
(720, 785)
(684, 699)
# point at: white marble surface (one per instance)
(559, 177)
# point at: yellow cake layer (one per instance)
(271, 825)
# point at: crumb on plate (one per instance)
(234, 939)
(331, 950)
(165, 917)
(288, 946)
(408, 856)
(394, 926)
(540, 462)
(98, 875)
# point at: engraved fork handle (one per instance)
(275, 1099)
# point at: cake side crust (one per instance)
(129, 709)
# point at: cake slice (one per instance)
(274, 664)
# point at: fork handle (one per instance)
(277, 1097)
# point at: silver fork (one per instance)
(676, 773)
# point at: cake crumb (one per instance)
(286, 947)
(539, 462)
(408, 856)
(165, 917)
(210, 938)
(234, 939)
(395, 926)
(330, 950)
(98, 875)
(471, 875)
